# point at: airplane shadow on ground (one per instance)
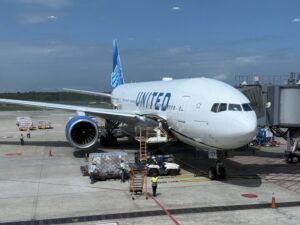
(121, 146)
(252, 151)
(78, 153)
(81, 153)
(197, 162)
(249, 174)
(38, 143)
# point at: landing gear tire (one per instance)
(103, 141)
(108, 141)
(114, 141)
(212, 173)
(295, 159)
(292, 158)
(173, 172)
(222, 173)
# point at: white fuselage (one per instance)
(186, 105)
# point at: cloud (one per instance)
(56, 63)
(246, 60)
(41, 65)
(32, 19)
(178, 50)
(220, 77)
(35, 18)
(176, 8)
(21, 50)
(55, 4)
(52, 17)
(296, 20)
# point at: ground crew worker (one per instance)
(28, 133)
(123, 170)
(92, 172)
(154, 180)
(22, 139)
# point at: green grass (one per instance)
(52, 97)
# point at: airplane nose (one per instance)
(237, 131)
(247, 128)
(249, 125)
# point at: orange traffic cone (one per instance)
(50, 153)
(273, 206)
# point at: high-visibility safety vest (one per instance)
(154, 180)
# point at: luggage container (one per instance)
(44, 124)
(25, 123)
(108, 165)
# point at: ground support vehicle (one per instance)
(162, 165)
(293, 155)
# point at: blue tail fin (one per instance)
(117, 74)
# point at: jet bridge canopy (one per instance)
(285, 108)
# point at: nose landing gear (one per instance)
(218, 172)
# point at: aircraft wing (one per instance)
(113, 114)
(107, 95)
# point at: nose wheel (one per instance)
(218, 172)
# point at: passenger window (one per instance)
(214, 108)
(234, 107)
(247, 107)
(222, 107)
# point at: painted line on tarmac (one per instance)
(194, 180)
(185, 181)
(140, 214)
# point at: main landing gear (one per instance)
(217, 172)
(107, 138)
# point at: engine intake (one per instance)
(82, 132)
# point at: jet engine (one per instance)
(82, 131)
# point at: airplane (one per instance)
(201, 112)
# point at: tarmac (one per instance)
(36, 188)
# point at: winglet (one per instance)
(117, 74)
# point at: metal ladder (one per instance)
(138, 176)
(138, 182)
(143, 133)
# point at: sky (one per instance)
(46, 45)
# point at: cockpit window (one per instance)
(222, 107)
(234, 107)
(247, 107)
(214, 108)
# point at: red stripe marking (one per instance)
(249, 195)
(165, 210)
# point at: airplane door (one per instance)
(181, 112)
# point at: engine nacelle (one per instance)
(82, 132)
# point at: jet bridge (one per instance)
(283, 117)
(284, 107)
(278, 107)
